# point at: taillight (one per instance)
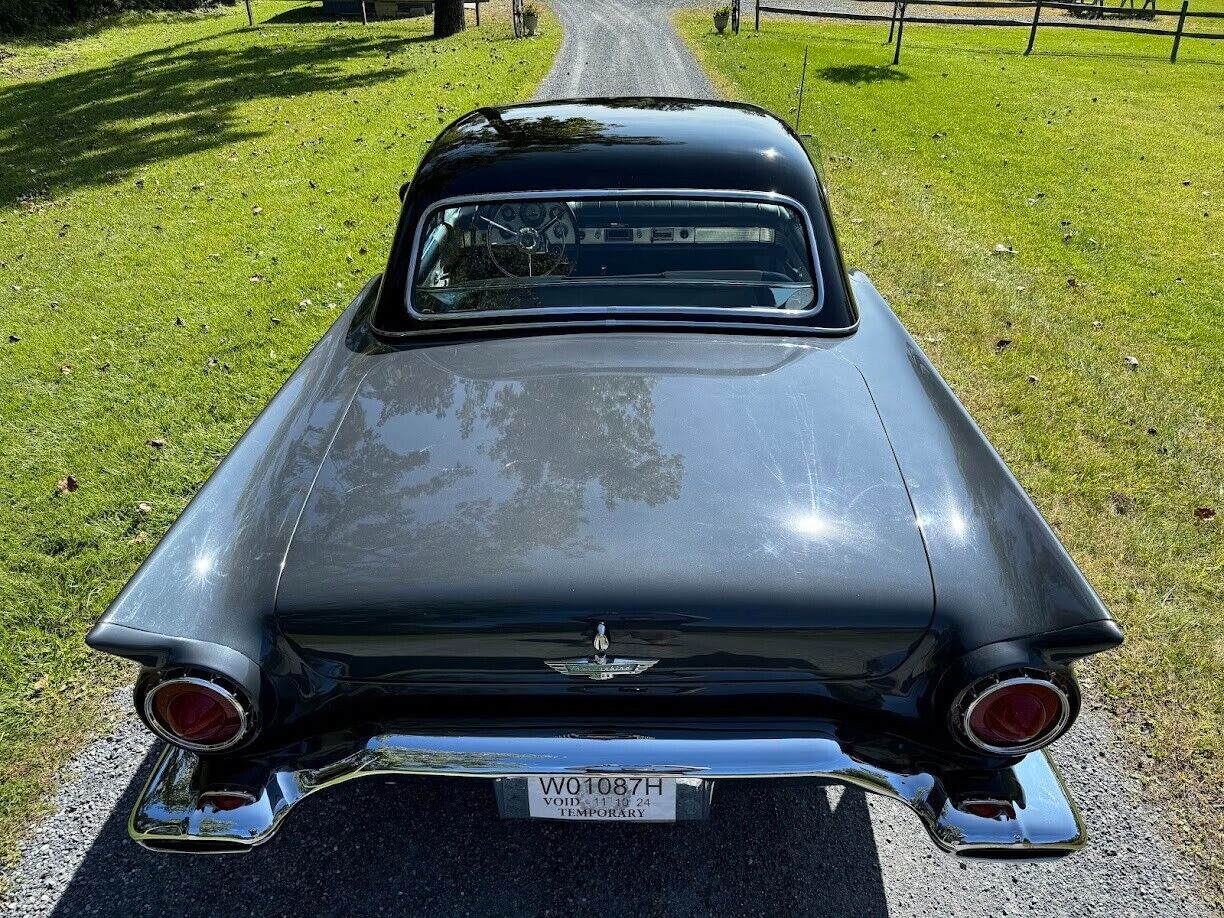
(1013, 715)
(196, 713)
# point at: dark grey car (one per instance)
(614, 484)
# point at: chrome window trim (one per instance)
(156, 726)
(763, 197)
(1045, 738)
(627, 322)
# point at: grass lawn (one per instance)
(1097, 166)
(185, 206)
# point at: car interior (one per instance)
(633, 252)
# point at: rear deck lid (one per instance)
(728, 506)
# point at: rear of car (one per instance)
(606, 491)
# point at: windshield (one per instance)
(552, 254)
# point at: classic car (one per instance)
(615, 484)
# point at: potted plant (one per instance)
(531, 18)
(721, 17)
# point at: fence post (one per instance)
(1033, 30)
(900, 32)
(250, 14)
(802, 80)
(758, 15)
(892, 23)
(478, 14)
(364, 19)
(1181, 22)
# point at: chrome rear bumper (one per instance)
(1033, 815)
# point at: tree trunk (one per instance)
(448, 18)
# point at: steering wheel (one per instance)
(527, 238)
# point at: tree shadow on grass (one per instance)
(92, 127)
(861, 74)
(306, 15)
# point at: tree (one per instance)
(448, 18)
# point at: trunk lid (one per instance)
(728, 506)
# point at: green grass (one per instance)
(185, 206)
(1100, 165)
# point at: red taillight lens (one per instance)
(196, 713)
(1016, 715)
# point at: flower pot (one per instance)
(720, 22)
(530, 21)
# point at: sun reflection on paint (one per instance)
(812, 525)
(202, 566)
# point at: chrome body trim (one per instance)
(168, 816)
(979, 694)
(156, 726)
(602, 194)
(600, 668)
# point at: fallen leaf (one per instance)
(144, 508)
(67, 484)
(13, 339)
(257, 210)
(155, 443)
(1033, 380)
(1003, 344)
(178, 320)
(1001, 249)
(1204, 514)
(65, 369)
(1122, 503)
(1132, 362)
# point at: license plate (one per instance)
(601, 798)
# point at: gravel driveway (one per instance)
(622, 48)
(436, 847)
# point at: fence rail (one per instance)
(899, 17)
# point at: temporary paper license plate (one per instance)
(602, 798)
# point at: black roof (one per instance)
(620, 143)
(611, 145)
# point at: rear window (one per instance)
(551, 254)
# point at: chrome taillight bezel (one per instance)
(971, 696)
(213, 683)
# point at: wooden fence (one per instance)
(1090, 15)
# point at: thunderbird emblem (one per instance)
(599, 667)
